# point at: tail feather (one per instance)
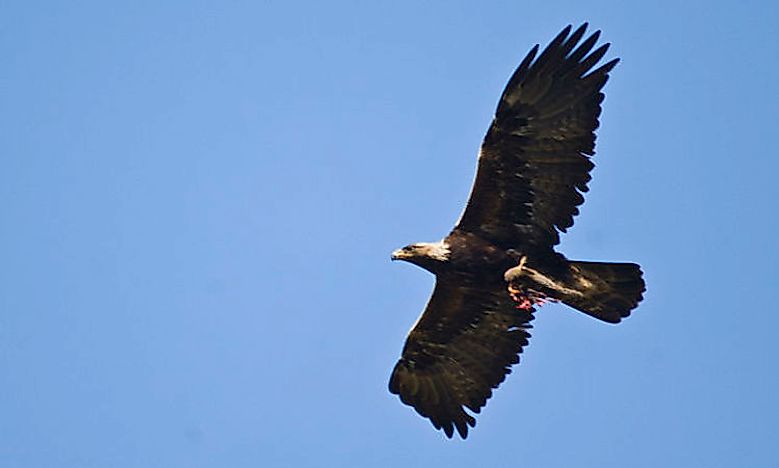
(610, 290)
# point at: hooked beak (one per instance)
(397, 255)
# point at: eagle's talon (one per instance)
(526, 299)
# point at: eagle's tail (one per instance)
(609, 290)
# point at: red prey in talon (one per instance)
(528, 298)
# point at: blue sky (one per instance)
(198, 202)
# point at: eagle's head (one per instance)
(427, 255)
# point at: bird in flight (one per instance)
(499, 261)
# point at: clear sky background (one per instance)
(198, 201)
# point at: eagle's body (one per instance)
(499, 260)
(475, 260)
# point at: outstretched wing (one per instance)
(535, 159)
(460, 349)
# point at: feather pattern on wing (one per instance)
(462, 348)
(534, 162)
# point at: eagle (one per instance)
(499, 261)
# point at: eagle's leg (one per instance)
(525, 297)
(513, 273)
(517, 294)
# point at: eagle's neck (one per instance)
(437, 251)
(432, 256)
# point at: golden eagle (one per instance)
(499, 260)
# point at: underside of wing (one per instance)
(534, 162)
(462, 348)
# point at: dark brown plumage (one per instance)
(499, 260)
